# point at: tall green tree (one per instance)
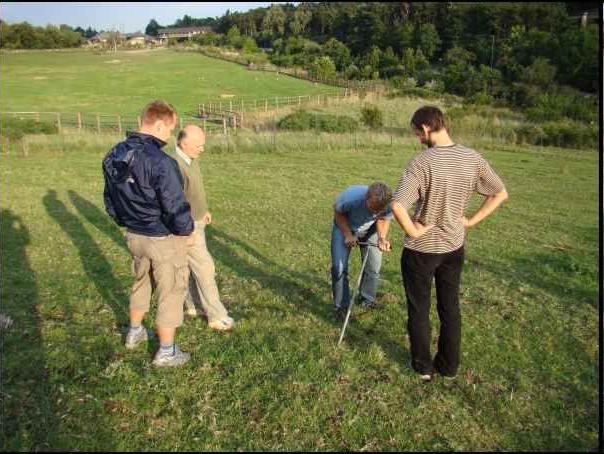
(338, 52)
(152, 28)
(427, 40)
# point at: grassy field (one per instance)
(528, 378)
(124, 82)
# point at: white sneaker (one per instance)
(191, 312)
(176, 358)
(136, 337)
(225, 324)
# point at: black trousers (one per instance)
(418, 269)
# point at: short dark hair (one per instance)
(181, 135)
(380, 192)
(158, 110)
(430, 116)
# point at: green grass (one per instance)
(93, 82)
(528, 378)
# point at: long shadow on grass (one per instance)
(303, 297)
(28, 416)
(95, 264)
(97, 218)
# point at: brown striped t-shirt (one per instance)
(440, 181)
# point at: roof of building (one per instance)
(178, 30)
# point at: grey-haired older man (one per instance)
(190, 144)
(361, 213)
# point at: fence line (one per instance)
(355, 85)
(213, 117)
(235, 110)
(110, 123)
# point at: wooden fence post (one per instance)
(203, 110)
(318, 100)
(231, 105)
(79, 122)
(119, 125)
(37, 117)
(59, 123)
(266, 104)
(199, 110)
(299, 100)
(98, 124)
(242, 105)
(220, 106)
(224, 126)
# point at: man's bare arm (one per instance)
(489, 205)
(411, 228)
(342, 223)
(382, 226)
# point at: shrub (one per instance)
(480, 98)
(530, 133)
(568, 134)
(372, 117)
(435, 85)
(16, 128)
(323, 67)
(302, 120)
(403, 82)
(352, 72)
(297, 121)
(337, 123)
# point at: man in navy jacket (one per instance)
(144, 194)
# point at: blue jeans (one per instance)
(339, 268)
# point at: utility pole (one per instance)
(492, 48)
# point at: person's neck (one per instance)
(149, 132)
(188, 155)
(441, 139)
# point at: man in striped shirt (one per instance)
(439, 182)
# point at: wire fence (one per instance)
(70, 122)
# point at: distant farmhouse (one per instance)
(164, 34)
(99, 39)
(137, 39)
(140, 39)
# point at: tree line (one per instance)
(26, 36)
(538, 56)
(534, 55)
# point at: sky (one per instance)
(127, 17)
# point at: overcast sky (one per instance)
(130, 17)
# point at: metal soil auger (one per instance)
(355, 290)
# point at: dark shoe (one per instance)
(426, 378)
(371, 305)
(447, 377)
(340, 313)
